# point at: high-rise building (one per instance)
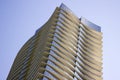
(64, 48)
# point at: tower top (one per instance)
(82, 19)
(65, 8)
(90, 24)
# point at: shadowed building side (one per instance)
(29, 59)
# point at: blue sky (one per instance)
(19, 19)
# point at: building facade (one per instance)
(64, 48)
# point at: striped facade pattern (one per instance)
(65, 48)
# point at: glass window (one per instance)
(79, 46)
(51, 58)
(52, 52)
(77, 74)
(49, 68)
(60, 19)
(78, 53)
(58, 31)
(76, 69)
(44, 78)
(55, 44)
(59, 23)
(57, 27)
(56, 39)
(48, 74)
(56, 35)
(53, 48)
(61, 15)
(77, 62)
(75, 78)
(62, 11)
